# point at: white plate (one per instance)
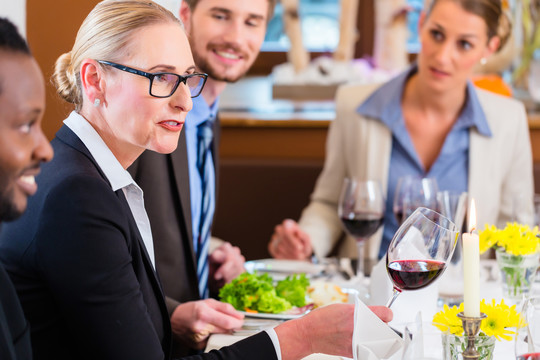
(284, 267)
(273, 316)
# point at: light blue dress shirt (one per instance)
(117, 176)
(450, 169)
(199, 114)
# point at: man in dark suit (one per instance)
(225, 39)
(23, 147)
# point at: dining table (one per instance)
(376, 289)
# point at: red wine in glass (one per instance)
(362, 225)
(420, 250)
(529, 356)
(414, 274)
(361, 210)
(398, 214)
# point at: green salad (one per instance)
(256, 293)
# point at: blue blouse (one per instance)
(450, 169)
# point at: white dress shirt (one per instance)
(115, 174)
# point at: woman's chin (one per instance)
(164, 148)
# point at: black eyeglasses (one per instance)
(164, 84)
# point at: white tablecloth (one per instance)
(405, 309)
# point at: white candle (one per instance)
(471, 267)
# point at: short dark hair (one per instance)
(11, 39)
(271, 5)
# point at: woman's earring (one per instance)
(483, 61)
(97, 102)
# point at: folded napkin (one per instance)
(372, 338)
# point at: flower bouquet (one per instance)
(517, 248)
(498, 325)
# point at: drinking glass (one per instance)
(361, 210)
(420, 250)
(413, 192)
(425, 341)
(527, 345)
(453, 205)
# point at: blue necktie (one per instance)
(204, 166)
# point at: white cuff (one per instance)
(275, 341)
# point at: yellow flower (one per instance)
(515, 239)
(488, 237)
(448, 317)
(499, 318)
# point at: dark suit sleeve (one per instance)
(258, 347)
(83, 252)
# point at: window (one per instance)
(413, 43)
(320, 27)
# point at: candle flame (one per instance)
(472, 216)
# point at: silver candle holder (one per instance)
(471, 327)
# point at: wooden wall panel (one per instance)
(51, 29)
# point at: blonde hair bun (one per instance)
(65, 80)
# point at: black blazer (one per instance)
(164, 179)
(80, 267)
(14, 329)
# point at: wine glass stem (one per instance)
(360, 264)
(395, 294)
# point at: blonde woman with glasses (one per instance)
(82, 257)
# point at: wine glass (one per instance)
(361, 210)
(527, 345)
(420, 250)
(453, 205)
(426, 341)
(413, 192)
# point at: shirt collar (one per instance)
(385, 105)
(117, 176)
(201, 112)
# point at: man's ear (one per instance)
(91, 81)
(185, 15)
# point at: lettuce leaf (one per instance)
(293, 289)
(253, 292)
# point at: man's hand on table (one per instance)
(194, 321)
(326, 330)
(225, 263)
(289, 241)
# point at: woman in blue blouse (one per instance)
(430, 122)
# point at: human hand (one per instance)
(326, 330)
(289, 241)
(194, 321)
(225, 263)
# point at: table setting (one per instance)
(492, 322)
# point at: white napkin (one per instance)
(380, 286)
(372, 338)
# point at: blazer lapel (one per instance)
(66, 135)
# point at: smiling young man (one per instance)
(180, 188)
(23, 147)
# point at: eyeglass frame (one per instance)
(151, 76)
